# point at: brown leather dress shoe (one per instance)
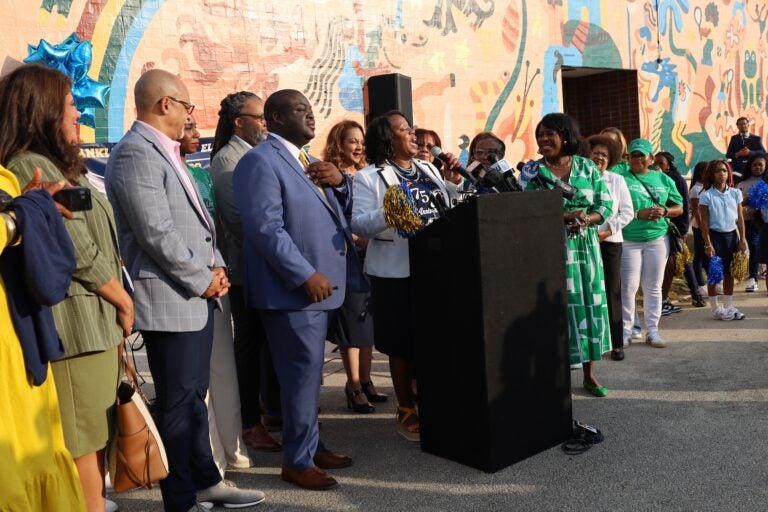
(272, 423)
(257, 438)
(313, 478)
(331, 460)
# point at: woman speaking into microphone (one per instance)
(390, 147)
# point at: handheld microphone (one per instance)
(437, 200)
(530, 171)
(437, 152)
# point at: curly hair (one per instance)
(332, 152)
(614, 151)
(231, 106)
(566, 127)
(379, 138)
(31, 115)
(756, 156)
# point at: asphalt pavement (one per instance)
(685, 430)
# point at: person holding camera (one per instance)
(39, 120)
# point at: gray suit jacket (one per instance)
(222, 166)
(166, 241)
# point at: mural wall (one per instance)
(475, 64)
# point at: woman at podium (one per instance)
(589, 334)
(390, 146)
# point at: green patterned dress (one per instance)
(589, 332)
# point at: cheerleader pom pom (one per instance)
(682, 258)
(715, 270)
(739, 263)
(758, 195)
(400, 211)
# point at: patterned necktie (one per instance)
(304, 159)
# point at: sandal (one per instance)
(408, 423)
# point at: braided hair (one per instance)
(231, 106)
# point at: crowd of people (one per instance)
(236, 275)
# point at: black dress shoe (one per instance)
(617, 354)
(352, 403)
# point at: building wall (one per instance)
(475, 64)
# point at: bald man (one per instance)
(167, 239)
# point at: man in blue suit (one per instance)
(296, 244)
(742, 147)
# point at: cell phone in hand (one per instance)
(74, 199)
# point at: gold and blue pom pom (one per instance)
(400, 210)
(715, 270)
(739, 265)
(682, 258)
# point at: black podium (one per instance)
(491, 335)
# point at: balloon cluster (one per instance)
(73, 58)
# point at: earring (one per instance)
(565, 142)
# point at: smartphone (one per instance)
(74, 199)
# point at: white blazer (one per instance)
(387, 253)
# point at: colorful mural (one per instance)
(475, 64)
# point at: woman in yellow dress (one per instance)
(38, 470)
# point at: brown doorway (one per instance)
(597, 98)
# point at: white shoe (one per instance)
(228, 495)
(751, 285)
(735, 314)
(111, 506)
(655, 340)
(724, 314)
(637, 335)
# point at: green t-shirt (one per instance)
(664, 192)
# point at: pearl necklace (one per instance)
(409, 173)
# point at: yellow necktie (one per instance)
(304, 159)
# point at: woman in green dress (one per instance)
(588, 326)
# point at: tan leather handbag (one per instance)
(136, 454)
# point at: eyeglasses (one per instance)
(425, 145)
(189, 107)
(258, 117)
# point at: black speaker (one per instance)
(382, 93)
(492, 338)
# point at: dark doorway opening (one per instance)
(598, 98)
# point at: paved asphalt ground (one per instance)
(685, 429)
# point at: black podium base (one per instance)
(491, 341)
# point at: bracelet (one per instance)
(666, 211)
(13, 235)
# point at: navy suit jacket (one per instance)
(290, 231)
(738, 142)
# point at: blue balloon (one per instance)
(73, 58)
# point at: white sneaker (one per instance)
(735, 314)
(655, 340)
(751, 285)
(111, 506)
(228, 495)
(637, 335)
(724, 314)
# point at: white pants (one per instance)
(224, 420)
(643, 263)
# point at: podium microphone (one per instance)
(500, 172)
(530, 171)
(437, 152)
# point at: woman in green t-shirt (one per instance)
(646, 246)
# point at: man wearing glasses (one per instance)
(241, 127)
(168, 242)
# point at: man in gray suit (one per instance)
(241, 126)
(168, 244)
